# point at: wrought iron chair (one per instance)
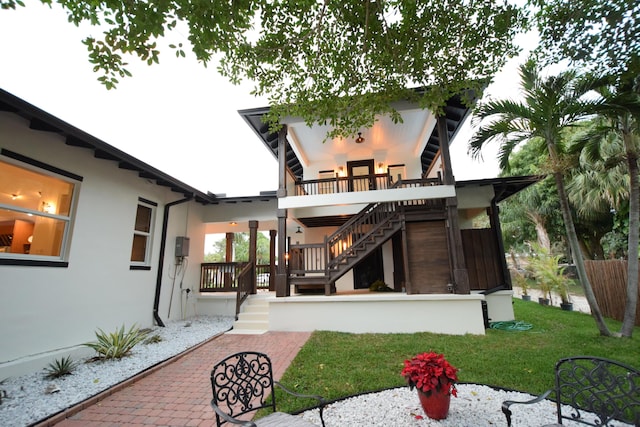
(600, 392)
(243, 383)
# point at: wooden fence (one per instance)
(609, 281)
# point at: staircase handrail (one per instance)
(245, 285)
(375, 214)
(388, 210)
(399, 183)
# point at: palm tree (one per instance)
(550, 105)
(616, 142)
(538, 204)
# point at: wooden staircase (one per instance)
(349, 245)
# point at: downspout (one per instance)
(163, 244)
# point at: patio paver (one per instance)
(177, 392)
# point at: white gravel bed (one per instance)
(28, 401)
(475, 406)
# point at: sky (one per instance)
(178, 116)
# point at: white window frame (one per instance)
(148, 235)
(35, 166)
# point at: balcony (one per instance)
(363, 190)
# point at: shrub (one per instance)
(116, 344)
(549, 274)
(60, 367)
(153, 339)
(380, 286)
(521, 281)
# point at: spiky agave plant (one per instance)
(60, 367)
(118, 344)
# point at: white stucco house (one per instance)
(91, 237)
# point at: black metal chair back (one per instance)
(604, 387)
(242, 383)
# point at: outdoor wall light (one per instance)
(359, 139)
(298, 231)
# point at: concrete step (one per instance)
(254, 317)
(257, 316)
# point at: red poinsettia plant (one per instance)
(430, 371)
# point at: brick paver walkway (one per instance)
(178, 392)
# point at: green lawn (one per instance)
(337, 364)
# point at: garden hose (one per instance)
(511, 325)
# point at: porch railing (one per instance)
(343, 184)
(307, 258)
(223, 276)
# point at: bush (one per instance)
(153, 339)
(549, 274)
(380, 286)
(116, 344)
(60, 367)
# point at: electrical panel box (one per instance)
(182, 246)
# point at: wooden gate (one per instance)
(482, 257)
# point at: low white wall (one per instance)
(379, 313)
(216, 304)
(500, 306)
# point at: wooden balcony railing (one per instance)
(223, 276)
(340, 184)
(359, 183)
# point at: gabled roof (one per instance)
(455, 112)
(43, 121)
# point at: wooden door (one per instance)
(428, 257)
(361, 175)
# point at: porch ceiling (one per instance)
(417, 134)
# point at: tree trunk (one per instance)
(629, 319)
(541, 231)
(576, 253)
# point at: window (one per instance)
(142, 232)
(36, 209)
(397, 172)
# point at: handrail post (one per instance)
(326, 256)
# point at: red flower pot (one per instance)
(436, 404)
